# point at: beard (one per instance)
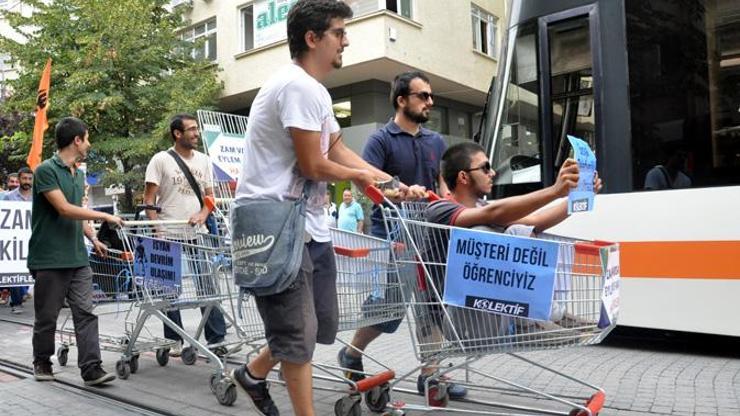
(415, 117)
(337, 63)
(478, 186)
(187, 144)
(25, 186)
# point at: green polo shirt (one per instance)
(56, 242)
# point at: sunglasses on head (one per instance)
(486, 167)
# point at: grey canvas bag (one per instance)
(267, 243)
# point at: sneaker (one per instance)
(258, 392)
(454, 391)
(43, 372)
(351, 363)
(16, 309)
(95, 376)
(176, 350)
(220, 351)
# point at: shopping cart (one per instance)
(114, 294)
(180, 267)
(368, 293)
(443, 332)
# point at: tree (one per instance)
(119, 66)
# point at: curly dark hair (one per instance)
(314, 16)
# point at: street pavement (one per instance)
(641, 376)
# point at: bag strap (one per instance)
(188, 175)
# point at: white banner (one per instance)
(270, 17)
(15, 233)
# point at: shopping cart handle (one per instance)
(210, 203)
(431, 196)
(375, 194)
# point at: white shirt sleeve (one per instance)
(300, 106)
(154, 170)
(208, 183)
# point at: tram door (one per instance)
(569, 76)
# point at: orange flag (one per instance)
(41, 124)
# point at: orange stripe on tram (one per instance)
(680, 259)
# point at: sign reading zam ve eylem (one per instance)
(500, 273)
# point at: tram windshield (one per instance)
(683, 72)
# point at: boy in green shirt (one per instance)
(57, 255)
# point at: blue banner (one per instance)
(581, 199)
(159, 262)
(500, 273)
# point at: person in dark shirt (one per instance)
(57, 256)
(406, 150)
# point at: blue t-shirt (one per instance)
(349, 215)
(414, 159)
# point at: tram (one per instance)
(654, 87)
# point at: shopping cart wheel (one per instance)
(123, 369)
(437, 395)
(226, 392)
(134, 364)
(163, 356)
(580, 412)
(348, 406)
(377, 398)
(62, 355)
(213, 382)
(189, 355)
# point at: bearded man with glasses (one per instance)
(405, 149)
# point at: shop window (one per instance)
(484, 31)
(203, 36)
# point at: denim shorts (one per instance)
(305, 313)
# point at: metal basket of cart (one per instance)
(180, 267)
(368, 293)
(365, 273)
(456, 320)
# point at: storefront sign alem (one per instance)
(500, 273)
(581, 199)
(269, 22)
(15, 233)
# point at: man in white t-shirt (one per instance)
(293, 137)
(168, 188)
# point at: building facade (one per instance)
(454, 43)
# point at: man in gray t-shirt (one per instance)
(168, 188)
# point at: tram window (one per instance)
(517, 155)
(571, 86)
(685, 99)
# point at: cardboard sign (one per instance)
(159, 263)
(581, 199)
(500, 273)
(15, 234)
(612, 281)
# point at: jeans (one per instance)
(51, 288)
(16, 296)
